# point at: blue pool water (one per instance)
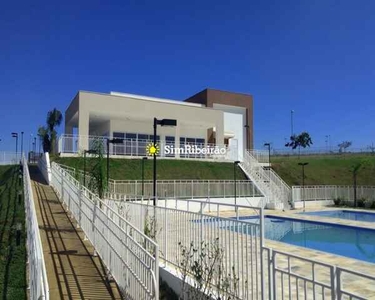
(347, 241)
(345, 214)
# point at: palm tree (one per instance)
(43, 134)
(54, 119)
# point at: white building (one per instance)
(211, 119)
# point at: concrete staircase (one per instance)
(278, 194)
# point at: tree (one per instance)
(43, 134)
(344, 145)
(297, 141)
(98, 171)
(355, 170)
(48, 132)
(54, 119)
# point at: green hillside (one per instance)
(324, 169)
(130, 169)
(12, 247)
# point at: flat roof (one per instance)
(147, 98)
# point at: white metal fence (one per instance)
(38, 282)
(321, 151)
(9, 158)
(186, 188)
(240, 241)
(331, 192)
(262, 156)
(74, 144)
(291, 276)
(130, 256)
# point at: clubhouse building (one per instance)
(207, 123)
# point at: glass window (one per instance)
(143, 136)
(157, 137)
(118, 135)
(132, 136)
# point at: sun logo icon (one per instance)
(152, 149)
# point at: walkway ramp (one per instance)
(73, 272)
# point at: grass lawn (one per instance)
(12, 256)
(130, 169)
(325, 169)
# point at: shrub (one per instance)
(362, 202)
(338, 201)
(373, 204)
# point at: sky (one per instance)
(315, 57)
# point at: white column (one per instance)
(177, 138)
(83, 130)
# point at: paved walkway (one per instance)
(73, 273)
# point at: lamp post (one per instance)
(84, 163)
(291, 122)
(247, 136)
(268, 145)
(15, 135)
(111, 141)
(21, 142)
(235, 182)
(303, 182)
(163, 122)
(143, 175)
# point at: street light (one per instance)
(15, 135)
(111, 141)
(247, 136)
(163, 122)
(143, 175)
(84, 163)
(303, 181)
(269, 153)
(235, 182)
(21, 142)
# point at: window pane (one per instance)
(118, 135)
(169, 138)
(131, 136)
(142, 136)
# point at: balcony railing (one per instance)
(75, 144)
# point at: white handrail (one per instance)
(38, 281)
(131, 257)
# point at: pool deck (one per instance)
(333, 259)
(355, 283)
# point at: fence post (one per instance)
(338, 284)
(166, 234)
(80, 207)
(93, 227)
(333, 282)
(261, 222)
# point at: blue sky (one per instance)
(316, 57)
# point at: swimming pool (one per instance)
(353, 242)
(344, 214)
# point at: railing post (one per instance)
(338, 284)
(333, 283)
(166, 235)
(80, 207)
(93, 226)
(261, 233)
